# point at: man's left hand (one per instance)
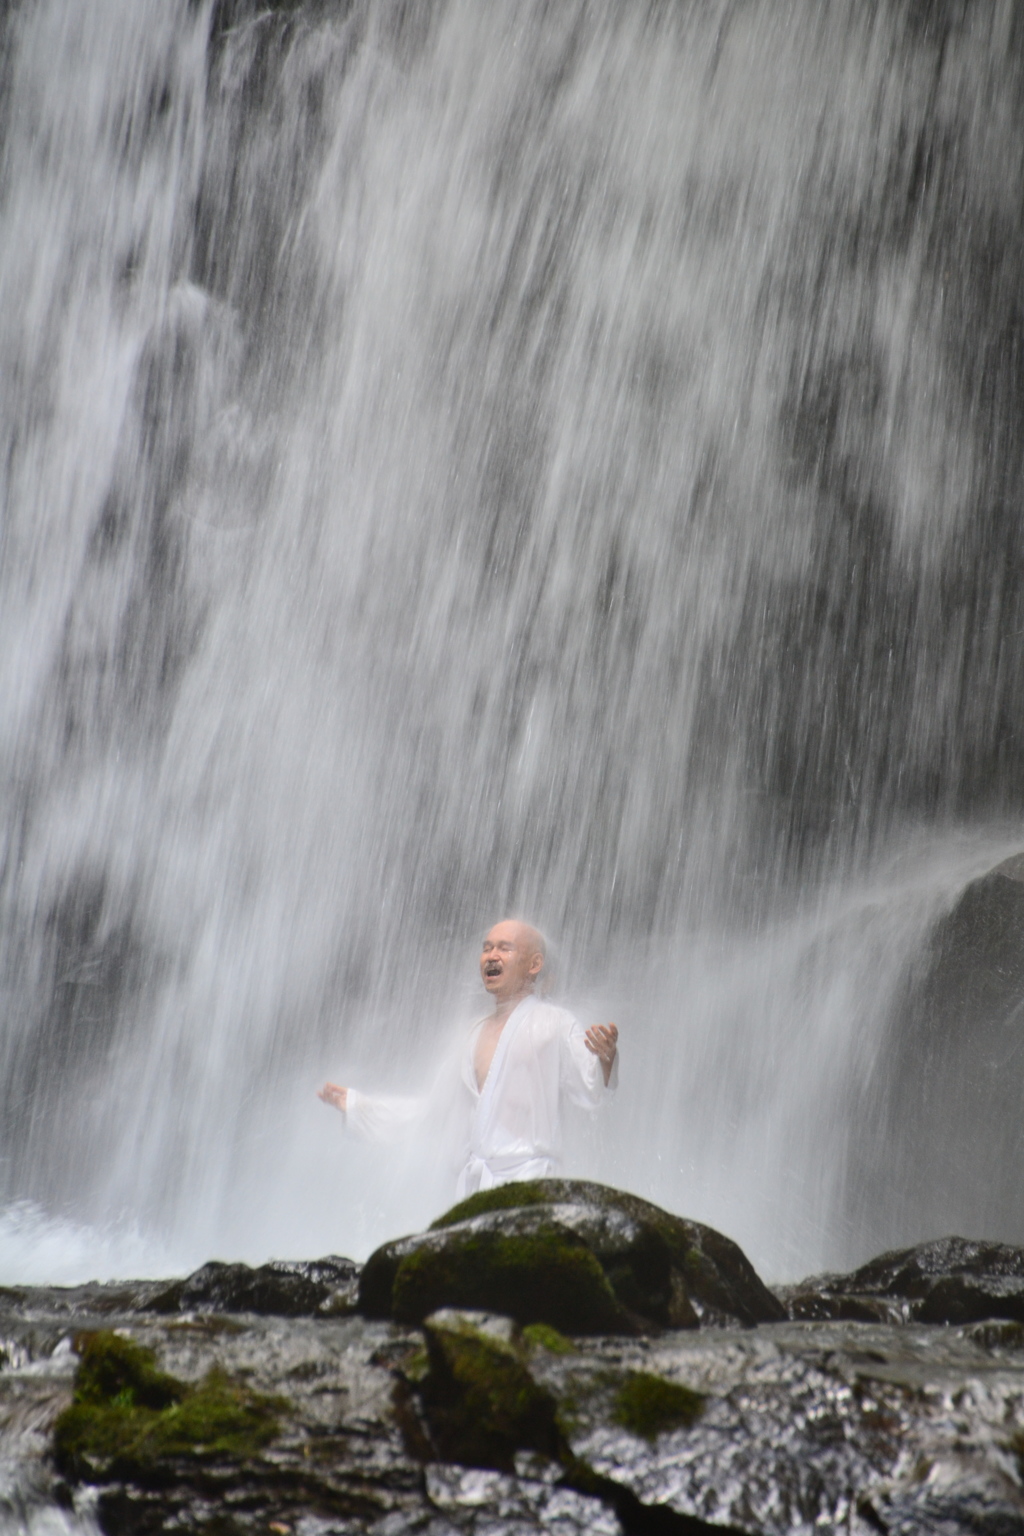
(603, 1040)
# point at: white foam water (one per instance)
(37, 1248)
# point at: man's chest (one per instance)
(528, 1056)
(483, 1054)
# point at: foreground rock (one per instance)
(578, 1256)
(336, 1426)
(211, 1405)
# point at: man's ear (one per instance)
(536, 965)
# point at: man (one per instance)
(509, 1078)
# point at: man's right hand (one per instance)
(602, 1040)
(332, 1094)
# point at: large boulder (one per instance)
(529, 1265)
(953, 1280)
(579, 1256)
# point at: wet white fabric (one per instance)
(511, 1129)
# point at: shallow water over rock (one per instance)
(827, 1427)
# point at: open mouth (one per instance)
(492, 968)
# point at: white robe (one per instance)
(510, 1129)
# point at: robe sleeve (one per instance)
(387, 1119)
(581, 1072)
(384, 1118)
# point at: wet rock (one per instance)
(274, 1422)
(533, 1500)
(833, 1426)
(492, 1395)
(954, 1494)
(844, 1428)
(953, 1280)
(840, 1427)
(279, 1289)
(577, 1255)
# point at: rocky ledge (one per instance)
(244, 1401)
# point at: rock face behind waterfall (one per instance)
(942, 1142)
(214, 1405)
(578, 1256)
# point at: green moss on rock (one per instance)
(547, 1275)
(649, 1406)
(479, 1400)
(116, 1369)
(504, 1197)
(127, 1416)
(542, 1336)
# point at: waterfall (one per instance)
(462, 460)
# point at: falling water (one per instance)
(464, 459)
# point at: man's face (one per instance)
(510, 960)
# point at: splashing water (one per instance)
(461, 460)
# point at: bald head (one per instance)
(511, 960)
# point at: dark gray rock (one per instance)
(954, 1280)
(577, 1255)
(278, 1289)
(940, 1135)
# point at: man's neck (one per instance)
(503, 1007)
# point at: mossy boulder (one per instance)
(479, 1400)
(578, 1256)
(128, 1419)
(527, 1265)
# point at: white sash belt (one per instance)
(479, 1174)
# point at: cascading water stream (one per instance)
(465, 459)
